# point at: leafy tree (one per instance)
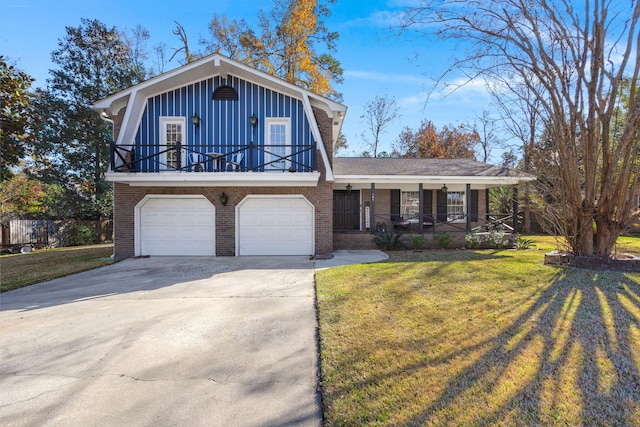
(17, 116)
(21, 195)
(341, 143)
(450, 142)
(287, 45)
(93, 61)
(379, 113)
(572, 58)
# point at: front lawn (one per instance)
(26, 269)
(466, 337)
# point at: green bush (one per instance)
(81, 235)
(443, 239)
(388, 240)
(417, 241)
(523, 244)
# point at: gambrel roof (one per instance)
(135, 97)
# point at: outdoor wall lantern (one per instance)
(349, 187)
(253, 120)
(195, 120)
(444, 189)
(223, 199)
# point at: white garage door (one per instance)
(275, 225)
(175, 225)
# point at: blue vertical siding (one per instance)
(224, 124)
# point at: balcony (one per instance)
(214, 165)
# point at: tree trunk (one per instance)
(605, 239)
(584, 237)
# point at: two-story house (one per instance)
(217, 158)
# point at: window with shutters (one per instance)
(456, 206)
(410, 204)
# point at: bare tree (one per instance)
(378, 114)
(485, 127)
(519, 112)
(572, 57)
(189, 56)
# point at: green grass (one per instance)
(21, 270)
(479, 338)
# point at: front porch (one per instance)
(417, 210)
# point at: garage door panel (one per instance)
(275, 226)
(177, 226)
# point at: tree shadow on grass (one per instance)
(583, 332)
(571, 357)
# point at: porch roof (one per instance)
(400, 170)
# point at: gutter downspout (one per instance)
(106, 118)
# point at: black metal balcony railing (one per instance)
(212, 158)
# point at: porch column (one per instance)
(467, 195)
(515, 208)
(420, 209)
(373, 208)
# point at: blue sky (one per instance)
(376, 60)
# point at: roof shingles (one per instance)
(371, 166)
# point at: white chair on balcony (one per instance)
(196, 160)
(234, 162)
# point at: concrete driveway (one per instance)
(163, 341)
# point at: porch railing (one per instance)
(430, 223)
(212, 158)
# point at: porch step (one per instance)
(352, 241)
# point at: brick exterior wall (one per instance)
(126, 198)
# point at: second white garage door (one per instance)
(175, 225)
(275, 225)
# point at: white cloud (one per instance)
(387, 77)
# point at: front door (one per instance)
(346, 210)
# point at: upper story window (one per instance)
(277, 143)
(172, 132)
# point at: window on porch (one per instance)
(456, 206)
(410, 204)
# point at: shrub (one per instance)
(417, 241)
(523, 244)
(472, 240)
(444, 239)
(80, 235)
(497, 238)
(388, 240)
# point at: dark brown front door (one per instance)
(346, 210)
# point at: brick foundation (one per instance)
(353, 241)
